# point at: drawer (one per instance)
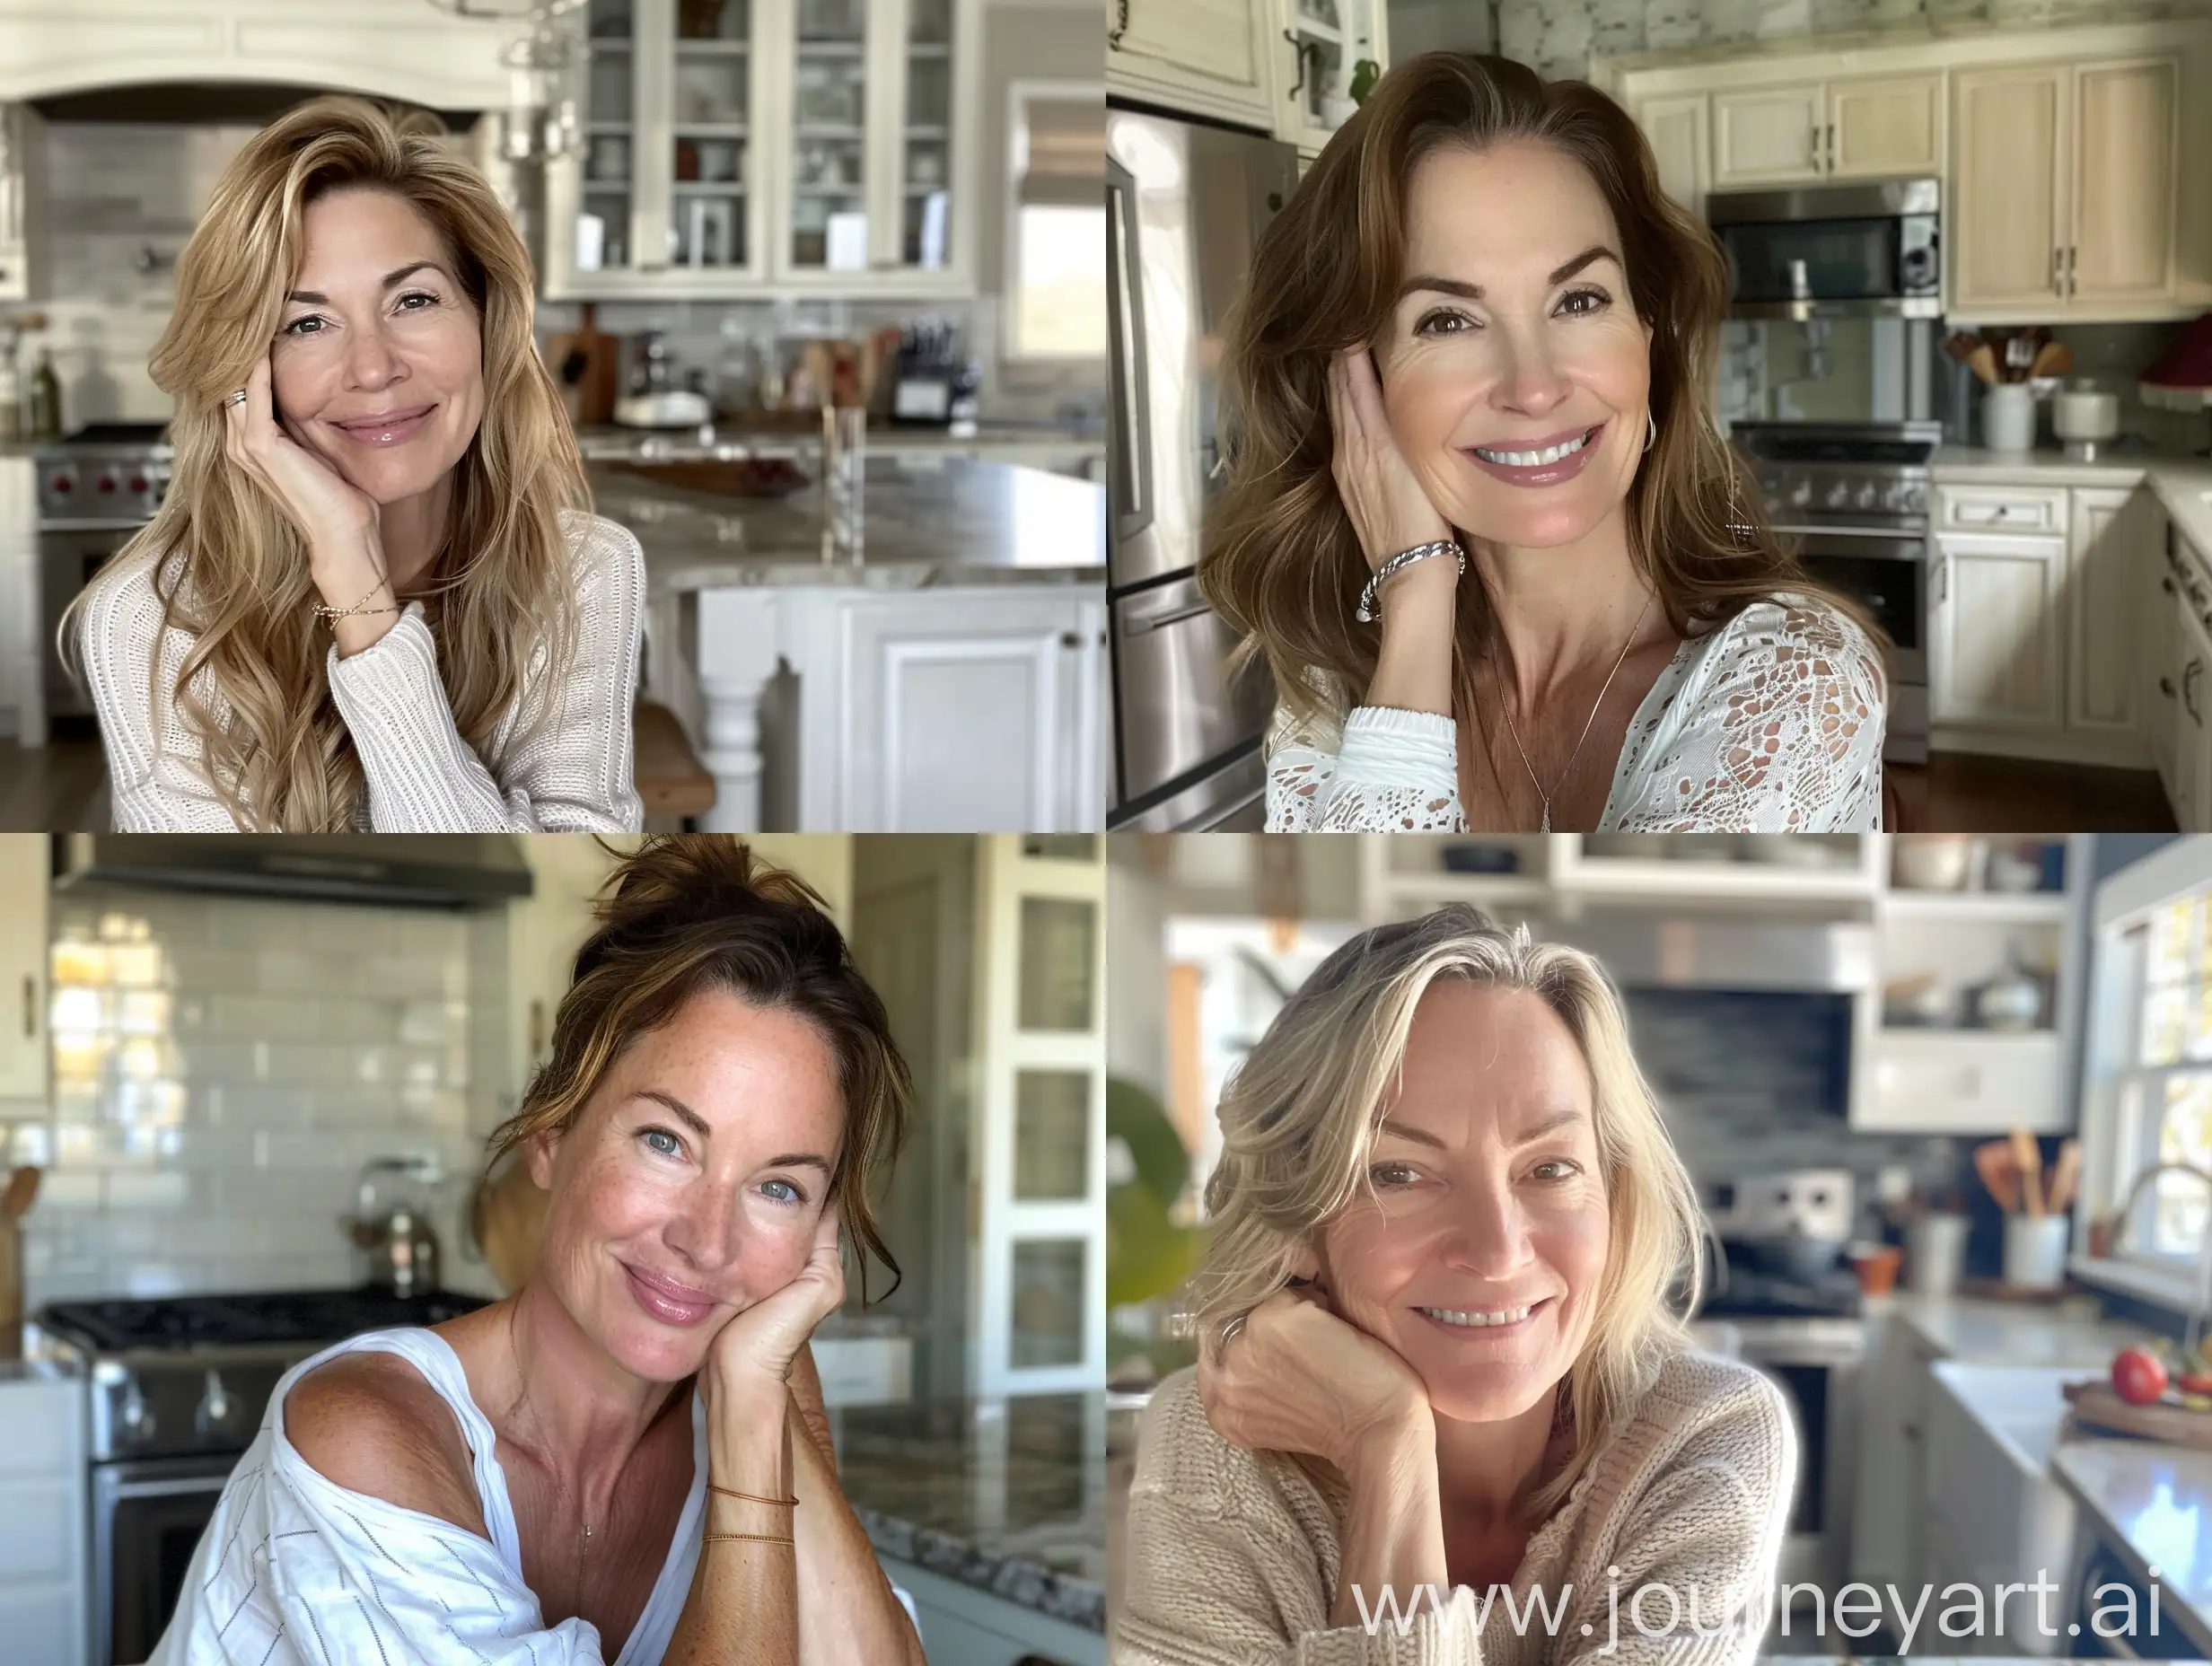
(2004, 508)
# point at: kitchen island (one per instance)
(949, 676)
(991, 1514)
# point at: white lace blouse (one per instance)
(571, 774)
(1772, 723)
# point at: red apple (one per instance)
(2138, 1376)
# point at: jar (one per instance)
(2009, 417)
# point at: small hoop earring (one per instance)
(1651, 430)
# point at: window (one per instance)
(1056, 239)
(2159, 967)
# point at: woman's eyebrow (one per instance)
(691, 1119)
(1473, 292)
(315, 297)
(1565, 1117)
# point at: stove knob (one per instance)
(1801, 494)
(1839, 495)
(106, 485)
(64, 484)
(137, 483)
(134, 1413)
(216, 1406)
(1868, 495)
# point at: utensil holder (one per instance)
(1936, 1254)
(2009, 417)
(2035, 1250)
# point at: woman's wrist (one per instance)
(747, 1447)
(1386, 1450)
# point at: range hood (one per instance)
(1651, 949)
(384, 870)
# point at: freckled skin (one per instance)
(1529, 360)
(1479, 1225)
(633, 1186)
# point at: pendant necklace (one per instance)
(1568, 768)
(515, 1352)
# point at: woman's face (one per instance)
(690, 1185)
(1515, 370)
(1488, 1199)
(378, 364)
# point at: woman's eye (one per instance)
(1597, 298)
(1393, 1174)
(1568, 1170)
(661, 1140)
(428, 301)
(1443, 322)
(782, 1191)
(293, 328)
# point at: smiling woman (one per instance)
(375, 596)
(628, 1460)
(1479, 520)
(1440, 1360)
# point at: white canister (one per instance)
(2035, 1250)
(2009, 417)
(1935, 1253)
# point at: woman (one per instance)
(539, 1482)
(1480, 519)
(366, 440)
(1438, 1358)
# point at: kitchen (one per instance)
(1897, 183)
(245, 1112)
(1944, 1102)
(819, 282)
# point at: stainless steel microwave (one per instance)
(1873, 249)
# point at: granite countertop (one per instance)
(605, 441)
(1006, 1495)
(1981, 1332)
(2152, 1503)
(2182, 483)
(925, 526)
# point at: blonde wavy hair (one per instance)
(233, 569)
(1298, 1120)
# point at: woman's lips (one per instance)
(395, 430)
(1539, 474)
(671, 1303)
(1485, 1333)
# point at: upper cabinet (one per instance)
(1873, 126)
(1676, 126)
(25, 859)
(2063, 188)
(1209, 57)
(731, 144)
(1323, 43)
(22, 203)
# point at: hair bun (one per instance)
(673, 881)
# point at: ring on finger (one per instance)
(1231, 1330)
(238, 398)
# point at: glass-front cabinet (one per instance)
(1321, 44)
(733, 144)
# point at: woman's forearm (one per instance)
(847, 1610)
(743, 1607)
(1393, 1533)
(1413, 665)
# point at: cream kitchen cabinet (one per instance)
(1995, 648)
(1321, 44)
(2111, 551)
(24, 251)
(2190, 787)
(1872, 127)
(1208, 57)
(2063, 190)
(729, 146)
(1676, 126)
(2160, 693)
(25, 861)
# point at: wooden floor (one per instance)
(1968, 793)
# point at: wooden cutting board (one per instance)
(590, 398)
(11, 1290)
(2097, 1406)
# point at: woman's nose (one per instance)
(1531, 379)
(1490, 1239)
(704, 1231)
(371, 363)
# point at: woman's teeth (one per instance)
(1503, 1316)
(1531, 459)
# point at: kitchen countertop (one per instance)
(1006, 1495)
(2152, 1503)
(1977, 1331)
(954, 523)
(2181, 482)
(1040, 439)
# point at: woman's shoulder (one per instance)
(1793, 625)
(604, 551)
(372, 1423)
(1723, 1409)
(123, 597)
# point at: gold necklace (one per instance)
(1568, 768)
(515, 1352)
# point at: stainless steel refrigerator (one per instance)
(1185, 205)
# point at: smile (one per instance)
(1497, 1319)
(395, 429)
(665, 1300)
(1539, 465)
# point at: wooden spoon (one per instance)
(2065, 1176)
(1993, 1161)
(23, 1189)
(2053, 358)
(2028, 1158)
(1983, 362)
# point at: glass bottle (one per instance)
(43, 408)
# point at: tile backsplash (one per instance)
(222, 1067)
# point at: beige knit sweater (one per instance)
(573, 774)
(1234, 1556)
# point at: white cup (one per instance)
(2035, 1250)
(2009, 417)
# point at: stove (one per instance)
(178, 1389)
(1853, 500)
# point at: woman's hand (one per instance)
(332, 515)
(1387, 506)
(1297, 1379)
(758, 1349)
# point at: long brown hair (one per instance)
(1283, 564)
(686, 913)
(233, 569)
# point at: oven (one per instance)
(95, 491)
(1872, 250)
(1815, 1363)
(147, 1516)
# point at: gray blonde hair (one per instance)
(1298, 1119)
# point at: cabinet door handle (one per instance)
(1828, 163)
(2189, 677)
(1943, 578)
(1071, 639)
(2071, 251)
(1122, 25)
(2166, 583)
(1297, 53)
(2165, 686)
(31, 1005)
(2057, 272)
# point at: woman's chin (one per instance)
(655, 1353)
(1487, 1394)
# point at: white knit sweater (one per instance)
(1233, 1556)
(571, 774)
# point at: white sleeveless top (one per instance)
(296, 1570)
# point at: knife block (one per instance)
(11, 1289)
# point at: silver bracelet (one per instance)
(1365, 612)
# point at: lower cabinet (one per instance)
(1995, 651)
(2189, 786)
(43, 1594)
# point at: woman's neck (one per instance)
(1562, 609)
(1485, 1471)
(568, 1400)
(409, 531)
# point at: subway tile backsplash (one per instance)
(222, 1067)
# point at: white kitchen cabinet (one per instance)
(1996, 646)
(43, 1598)
(1965, 1081)
(2063, 191)
(2191, 783)
(1206, 58)
(2160, 693)
(23, 662)
(1768, 136)
(1873, 126)
(24, 864)
(24, 249)
(733, 145)
(1323, 43)
(1886, 1509)
(1676, 127)
(2112, 546)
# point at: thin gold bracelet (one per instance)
(757, 1538)
(327, 613)
(753, 1498)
